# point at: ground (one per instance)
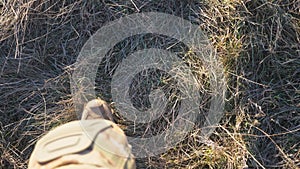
(257, 42)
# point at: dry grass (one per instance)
(257, 41)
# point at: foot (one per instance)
(97, 109)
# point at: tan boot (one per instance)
(97, 109)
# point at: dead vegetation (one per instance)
(257, 41)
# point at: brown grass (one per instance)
(257, 41)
